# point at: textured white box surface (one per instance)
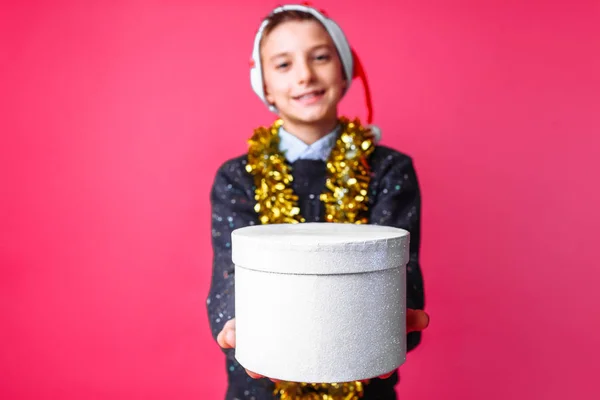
(320, 302)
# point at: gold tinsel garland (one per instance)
(349, 175)
(347, 181)
(319, 391)
(345, 200)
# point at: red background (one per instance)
(115, 116)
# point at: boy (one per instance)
(311, 165)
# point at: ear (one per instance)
(344, 85)
(268, 96)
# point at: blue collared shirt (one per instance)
(295, 149)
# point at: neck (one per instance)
(310, 132)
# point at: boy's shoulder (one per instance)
(233, 169)
(234, 163)
(389, 156)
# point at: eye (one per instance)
(282, 65)
(323, 57)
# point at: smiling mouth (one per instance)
(315, 94)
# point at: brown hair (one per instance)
(276, 19)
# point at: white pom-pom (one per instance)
(376, 131)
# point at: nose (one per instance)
(305, 73)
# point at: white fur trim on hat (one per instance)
(376, 132)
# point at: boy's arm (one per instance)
(231, 208)
(398, 204)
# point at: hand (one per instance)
(416, 320)
(226, 339)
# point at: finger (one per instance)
(416, 320)
(254, 375)
(230, 337)
(229, 324)
(226, 338)
(223, 342)
(221, 339)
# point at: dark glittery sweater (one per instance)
(394, 200)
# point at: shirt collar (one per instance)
(295, 149)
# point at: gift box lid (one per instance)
(320, 248)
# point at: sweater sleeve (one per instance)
(397, 203)
(232, 207)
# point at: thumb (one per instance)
(230, 337)
(226, 337)
(416, 320)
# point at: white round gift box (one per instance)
(320, 302)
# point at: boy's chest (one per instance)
(308, 184)
(309, 177)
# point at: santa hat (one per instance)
(350, 61)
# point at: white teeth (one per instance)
(308, 95)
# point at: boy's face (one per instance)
(302, 72)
